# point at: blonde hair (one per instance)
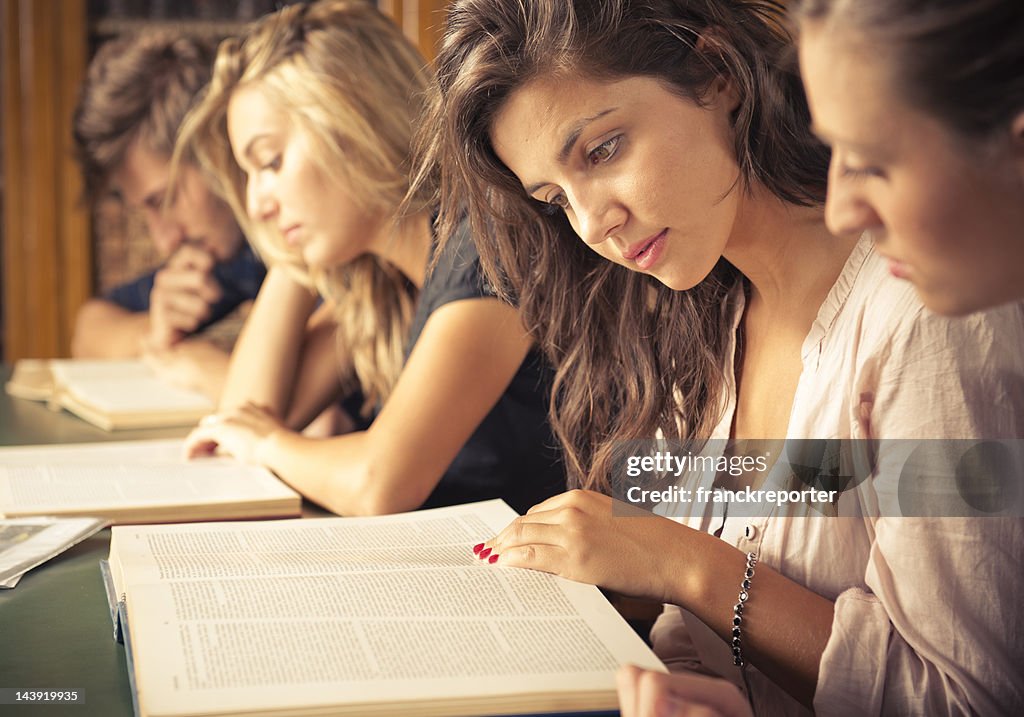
(350, 80)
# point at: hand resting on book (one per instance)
(240, 432)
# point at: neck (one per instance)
(406, 245)
(787, 254)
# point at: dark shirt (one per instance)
(239, 277)
(512, 454)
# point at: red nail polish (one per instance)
(493, 559)
(484, 553)
(477, 548)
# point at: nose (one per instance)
(166, 232)
(599, 215)
(848, 209)
(260, 202)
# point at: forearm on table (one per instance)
(105, 330)
(463, 362)
(336, 473)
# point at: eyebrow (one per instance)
(570, 141)
(829, 139)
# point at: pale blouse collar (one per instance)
(836, 298)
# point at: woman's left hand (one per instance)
(242, 433)
(644, 693)
(588, 537)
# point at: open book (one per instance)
(111, 394)
(137, 482)
(340, 616)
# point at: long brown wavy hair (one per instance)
(632, 356)
(349, 78)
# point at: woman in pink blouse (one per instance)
(708, 300)
(923, 105)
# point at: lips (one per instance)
(648, 252)
(291, 235)
(898, 268)
(640, 247)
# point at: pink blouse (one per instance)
(929, 614)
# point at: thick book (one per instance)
(137, 482)
(111, 394)
(358, 616)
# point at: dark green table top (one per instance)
(55, 630)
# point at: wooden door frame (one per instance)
(422, 21)
(46, 239)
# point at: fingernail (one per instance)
(484, 553)
(493, 559)
(477, 548)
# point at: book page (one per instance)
(32, 379)
(124, 386)
(357, 611)
(97, 477)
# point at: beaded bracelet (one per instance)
(737, 610)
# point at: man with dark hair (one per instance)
(135, 97)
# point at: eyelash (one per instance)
(558, 202)
(554, 205)
(848, 172)
(612, 146)
(273, 165)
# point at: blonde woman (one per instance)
(306, 127)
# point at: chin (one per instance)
(326, 261)
(679, 285)
(676, 282)
(953, 303)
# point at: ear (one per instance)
(1017, 133)
(1017, 142)
(723, 90)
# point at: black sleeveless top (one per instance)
(512, 454)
